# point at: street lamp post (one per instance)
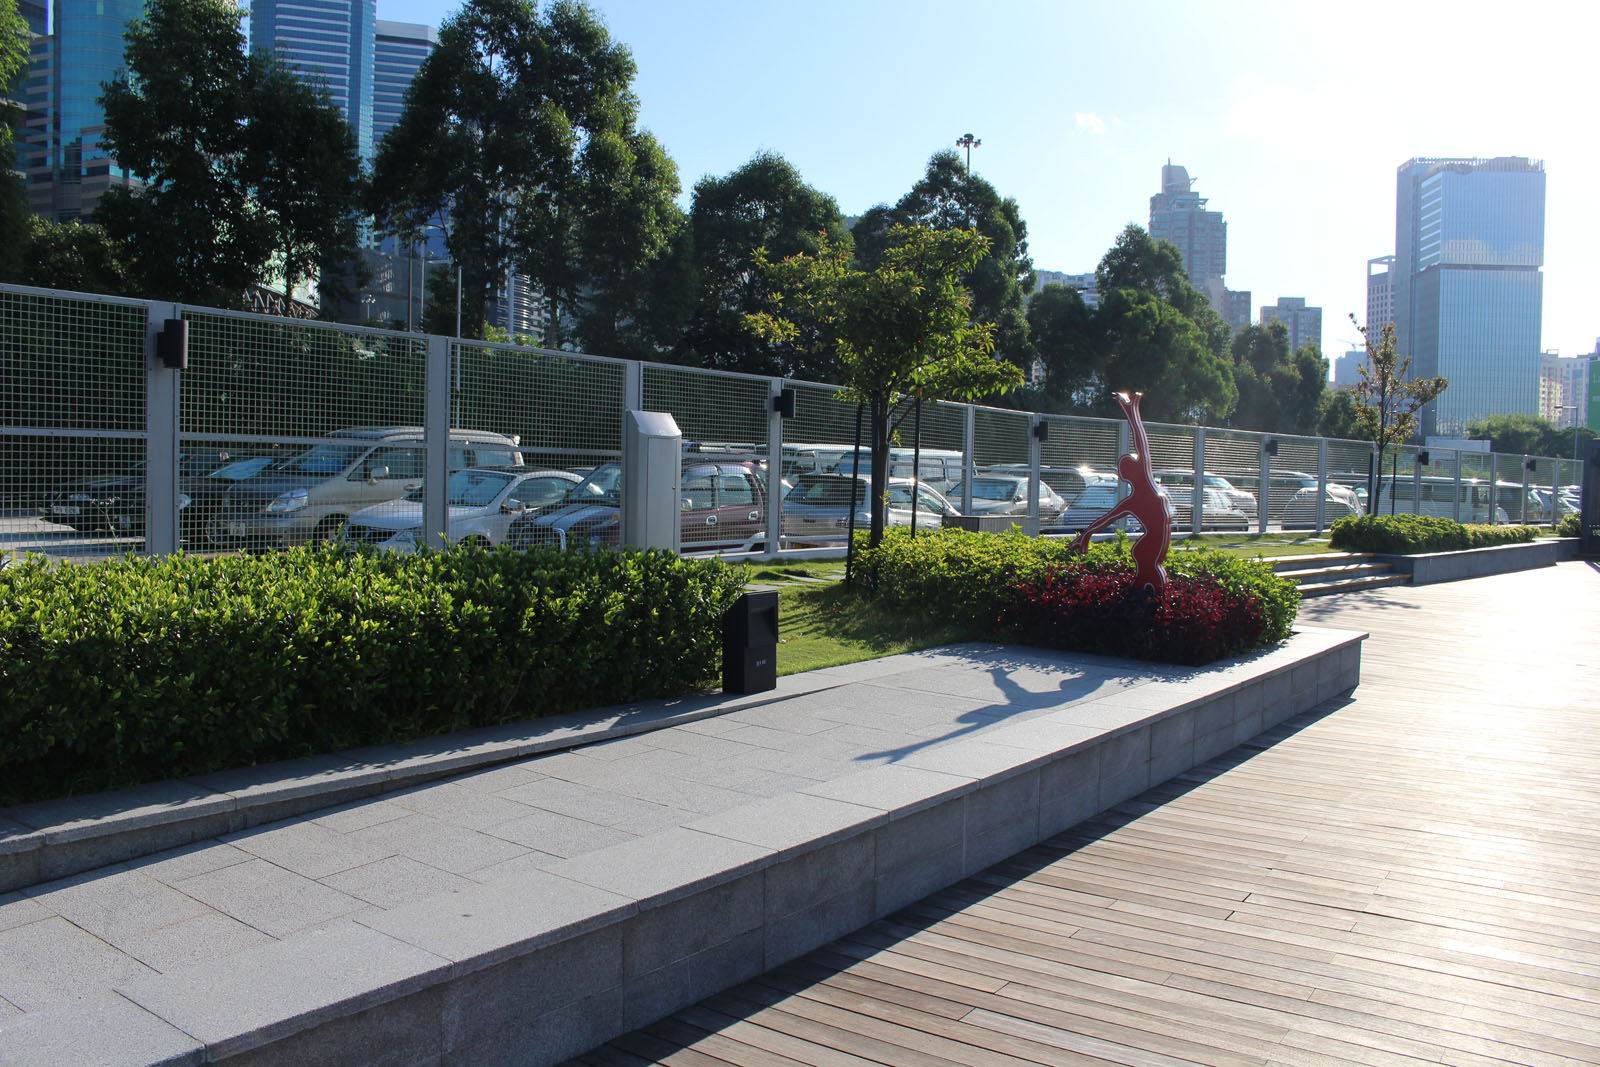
(968, 142)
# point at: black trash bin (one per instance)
(750, 643)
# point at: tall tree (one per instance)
(13, 197)
(1065, 338)
(1160, 334)
(1527, 434)
(1387, 398)
(903, 327)
(766, 207)
(519, 130)
(71, 255)
(950, 197)
(1279, 392)
(248, 176)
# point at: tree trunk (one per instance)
(880, 465)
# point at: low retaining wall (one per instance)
(538, 967)
(1431, 567)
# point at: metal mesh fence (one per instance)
(72, 422)
(288, 431)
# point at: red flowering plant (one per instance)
(1196, 620)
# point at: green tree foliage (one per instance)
(903, 327)
(13, 62)
(1064, 334)
(71, 255)
(762, 208)
(1159, 335)
(1527, 434)
(249, 176)
(519, 130)
(1278, 392)
(1387, 398)
(1336, 415)
(949, 197)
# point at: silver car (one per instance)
(818, 508)
(1007, 494)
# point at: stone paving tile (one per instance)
(560, 835)
(762, 783)
(680, 793)
(187, 861)
(273, 900)
(657, 761)
(205, 937)
(115, 905)
(587, 803)
(17, 910)
(528, 861)
(496, 779)
(8, 1010)
(306, 848)
(801, 765)
(360, 814)
(438, 844)
(450, 802)
(52, 961)
(700, 745)
(394, 881)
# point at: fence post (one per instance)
(1263, 512)
(774, 467)
(1035, 457)
(1555, 484)
(1322, 485)
(1523, 518)
(163, 398)
(1456, 507)
(1197, 505)
(969, 457)
(436, 444)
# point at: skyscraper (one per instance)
(400, 49)
(332, 43)
(1469, 296)
(1178, 214)
(1380, 294)
(67, 168)
(1304, 323)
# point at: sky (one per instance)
(1292, 117)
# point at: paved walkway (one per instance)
(117, 926)
(1406, 876)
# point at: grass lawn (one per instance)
(1252, 545)
(824, 626)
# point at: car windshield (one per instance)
(1097, 496)
(824, 491)
(476, 489)
(329, 458)
(604, 481)
(990, 489)
(240, 469)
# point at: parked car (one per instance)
(1007, 494)
(114, 504)
(482, 505)
(818, 508)
(1298, 492)
(309, 497)
(200, 507)
(1095, 501)
(723, 504)
(1181, 485)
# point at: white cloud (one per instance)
(1089, 122)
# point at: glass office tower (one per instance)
(1469, 295)
(332, 44)
(87, 50)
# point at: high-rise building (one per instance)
(332, 44)
(67, 167)
(1178, 214)
(399, 49)
(1085, 284)
(1347, 369)
(1468, 292)
(1304, 323)
(1235, 308)
(1380, 294)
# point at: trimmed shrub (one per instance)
(1569, 526)
(149, 668)
(1038, 591)
(1412, 534)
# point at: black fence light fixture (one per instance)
(1531, 464)
(1422, 458)
(1270, 446)
(172, 344)
(1041, 430)
(783, 403)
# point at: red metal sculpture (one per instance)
(1145, 502)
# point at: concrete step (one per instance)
(1352, 585)
(1286, 564)
(1325, 573)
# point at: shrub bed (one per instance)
(1039, 592)
(1569, 526)
(1412, 534)
(143, 669)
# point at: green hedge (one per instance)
(1411, 534)
(1569, 526)
(149, 668)
(975, 580)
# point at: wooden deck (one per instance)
(1408, 876)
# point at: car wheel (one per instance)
(328, 530)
